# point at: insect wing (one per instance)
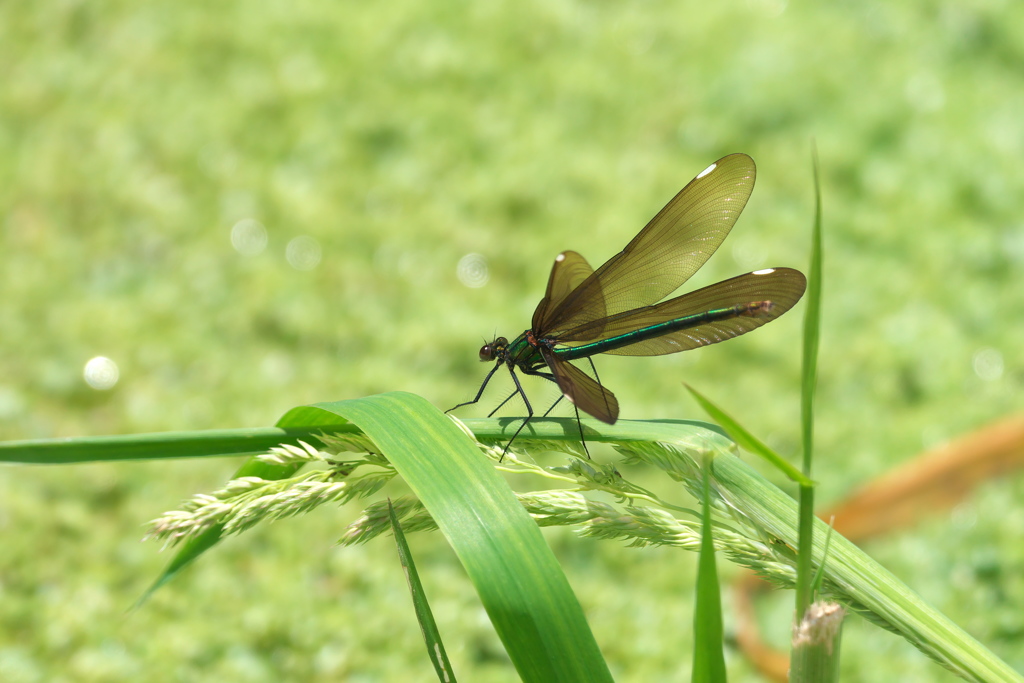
(585, 393)
(671, 248)
(569, 270)
(783, 287)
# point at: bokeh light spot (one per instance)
(101, 373)
(472, 271)
(988, 364)
(303, 253)
(249, 237)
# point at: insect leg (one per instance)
(557, 401)
(481, 392)
(529, 412)
(510, 397)
(583, 440)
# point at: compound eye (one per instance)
(486, 352)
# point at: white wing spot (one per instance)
(559, 258)
(766, 271)
(707, 170)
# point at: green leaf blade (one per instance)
(809, 381)
(424, 615)
(708, 658)
(522, 587)
(746, 440)
(212, 443)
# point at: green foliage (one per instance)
(520, 585)
(134, 136)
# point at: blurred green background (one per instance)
(252, 206)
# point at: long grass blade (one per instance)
(746, 440)
(812, 332)
(215, 443)
(708, 658)
(812, 327)
(424, 615)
